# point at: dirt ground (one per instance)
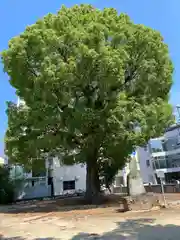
(105, 223)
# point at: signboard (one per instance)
(134, 154)
(160, 174)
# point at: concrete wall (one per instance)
(34, 192)
(62, 173)
(173, 133)
(169, 188)
(27, 191)
(146, 171)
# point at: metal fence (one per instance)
(168, 188)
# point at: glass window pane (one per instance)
(157, 164)
(162, 163)
(156, 145)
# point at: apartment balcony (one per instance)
(170, 162)
(165, 146)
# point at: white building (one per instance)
(160, 154)
(2, 161)
(165, 153)
(74, 177)
(144, 165)
(66, 178)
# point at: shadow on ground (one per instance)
(60, 205)
(138, 229)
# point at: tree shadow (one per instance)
(61, 205)
(138, 229)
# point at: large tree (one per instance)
(88, 78)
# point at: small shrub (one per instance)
(7, 186)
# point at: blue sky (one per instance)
(162, 15)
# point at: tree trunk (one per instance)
(128, 191)
(92, 182)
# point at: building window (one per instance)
(147, 163)
(162, 164)
(156, 164)
(69, 185)
(145, 148)
(156, 145)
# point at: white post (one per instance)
(47, 170)
(163, 194)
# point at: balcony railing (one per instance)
(170, 161)
(34, 181)
(166, 144)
